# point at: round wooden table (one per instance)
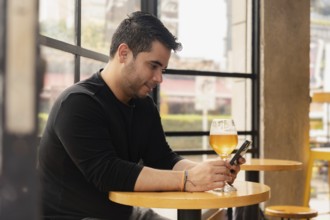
(253, 166)
(189, 204)
(261, 164)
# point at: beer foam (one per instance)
(213, 132)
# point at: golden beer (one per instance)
(223, 144)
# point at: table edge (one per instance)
(200, 204)
(295, 165)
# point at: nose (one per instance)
(158, 76)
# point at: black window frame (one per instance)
(151, 6)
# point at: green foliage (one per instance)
(187, 123)
(93, 37)
(57, 30)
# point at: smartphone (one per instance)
(240, 152)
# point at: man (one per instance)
(105, 134)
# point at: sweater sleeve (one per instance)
(81, 127)
(158, 153)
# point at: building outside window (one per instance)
(211, 77)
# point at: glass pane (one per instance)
(225, 47)
(316, 116)
(320, 72)
(59, 75)
(188, 143)
(188, 103)
(89, 66)
(198, 143)
(103, 19)
(241, 103)
(320, 112)
(57, 19)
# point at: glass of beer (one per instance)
(223, 139)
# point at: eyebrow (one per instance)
(158, 63)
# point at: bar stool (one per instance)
(322, 153)
(288, 211)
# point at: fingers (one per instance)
(221, 177)
(216, 162)
(234, 169)
(216, 185)
(241, 160)
(232, 177)
(208, 175)
(219, 170)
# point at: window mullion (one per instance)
(78, 39)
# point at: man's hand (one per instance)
(208, 175)
(234, 169)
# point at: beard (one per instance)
(133, 85)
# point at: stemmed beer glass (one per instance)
(223, 139)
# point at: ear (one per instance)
(123, 52)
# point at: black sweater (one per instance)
(94, 144)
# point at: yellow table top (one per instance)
(321, 149)
(261, 164)
(323, 97)
(320, 153)
(248, 193)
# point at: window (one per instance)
(213, 76)
(75, 50)
(320, 111)
(56, 19)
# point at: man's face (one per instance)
(142, 74)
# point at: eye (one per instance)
(163, 70)
(153, 66)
